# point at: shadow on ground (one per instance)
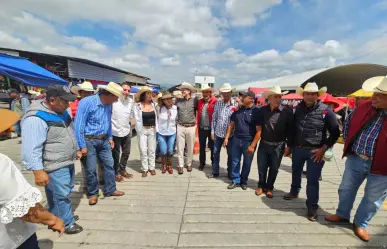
(46, 244)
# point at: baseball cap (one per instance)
(155, 90)
(60, 91)
(248, 93)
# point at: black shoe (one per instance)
(233, 185)
(201, 167)
(212, 176)
(320, 179)
(312, 215)
(290, 196)
(244, 186)
(76, 217)
(74, 229)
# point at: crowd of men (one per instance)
(101, 135)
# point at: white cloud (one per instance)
(87, 43)
(8, 40)
(170, 61)
(245, 12)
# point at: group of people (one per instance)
(98, 130)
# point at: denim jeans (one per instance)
(99, 148)
(30, 243)
(375, 192)
(269, 157)
(218, 143)
(17, 128)
(239, 148)
(166, 144)
(58, 192)
(299, 157)
(204, 136)
(121, 152)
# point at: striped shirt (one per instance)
(221, 117)
(365, 142)
(93, 118)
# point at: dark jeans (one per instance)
(239, 148)
(203, 136)
(58, 194)
(99, 148)
(30, 243)
(269, 157)
(218, 144)
(121, 144)
(299, 157)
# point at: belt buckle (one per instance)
(364, 157)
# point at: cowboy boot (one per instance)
(163, 163)
(169, 165)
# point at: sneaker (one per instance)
(233, 185)
(312, 215)
(244, 186)
(212, 176)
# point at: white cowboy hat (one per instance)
(276, 90)
(376, 84)
(311, 87)
(188, 86)
(206, 87)
(113, 88)
(85, 86)
(226, 87)
(142, 90)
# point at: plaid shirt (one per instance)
(221, 117)
(365, 143)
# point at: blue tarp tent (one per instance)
(26, 72)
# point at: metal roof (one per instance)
(340, 80)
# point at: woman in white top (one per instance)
(144, 112)
(166, 136)
(19, 202)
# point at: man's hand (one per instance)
(58, 226)
(318, 154)
(79, 154)
(41, 178)
(251, 150)
(225, 142)
(212, 136)
(111, 142)
(287, 151)
(84, 152)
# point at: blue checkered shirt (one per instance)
(221, 117)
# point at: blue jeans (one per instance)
(218, 143)
(166, 144)
(99, 148)
(17, 128)
(300, 156)
(375, 192)
(30, 243)
(239, 148)
(58, 192)
(269, 157)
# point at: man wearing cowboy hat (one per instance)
(220, 120)
(186, 125)
(93, 131)
(365, 135)
(204, 119)
(275, 123)
(82, 90)
(49, 149)
(312, 120)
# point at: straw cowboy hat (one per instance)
(311, 87)
(166, 95)
(8, 119)
(85, 86)
(188, 86)
(177, 94)
(376, 84)
(142, 90)
(113, 88)
(276, 90)
(226, 87)
(206, 87)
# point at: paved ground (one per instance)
(191, 211)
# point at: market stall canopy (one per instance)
(26, 72)
(292, 96)
(361, 94)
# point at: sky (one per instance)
(171, 41)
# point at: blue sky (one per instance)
(170, 41)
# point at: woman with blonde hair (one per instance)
(144, 112)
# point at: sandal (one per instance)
(126, 175)
(119, 178)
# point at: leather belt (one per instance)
(148, 126)
(273, 143)
(187, 125)
(364, 157)
(95, 137)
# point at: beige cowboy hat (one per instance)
(113, 88)
(186, 85)
(206, 87)
(166, 95)
(311, 87)
(376, 84)
(8, 119)
(225, 88)
(142, 90)
(177, 94)
(276, 90)
(85, 86)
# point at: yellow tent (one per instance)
(361, 94)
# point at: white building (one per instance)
(200, 80)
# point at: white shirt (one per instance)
(121, 117)
(167, 125)
(17, 196)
